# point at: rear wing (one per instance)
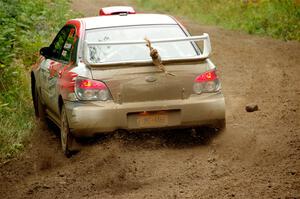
(205, 54)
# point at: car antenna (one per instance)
(156, 59)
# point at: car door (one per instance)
(60, 52)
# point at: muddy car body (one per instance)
(97, 76)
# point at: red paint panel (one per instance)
(77, 25)
(66, 81)
(53, 68)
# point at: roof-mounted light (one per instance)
(115, 10)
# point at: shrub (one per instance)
(276, 18)
(25, 27)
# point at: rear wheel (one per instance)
(67, 139)
(221, 125)
(206, 133)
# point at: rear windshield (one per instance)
(137, 52)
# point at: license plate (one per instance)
(152, 120)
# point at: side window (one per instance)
(63, 44)
(68, 46)
(57, 44)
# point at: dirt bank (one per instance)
(257, 156)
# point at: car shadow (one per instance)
(175, 138)
(150, 139)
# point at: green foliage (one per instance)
(25, 27)
(16, 116)
(276, 18)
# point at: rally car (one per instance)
(126, 71)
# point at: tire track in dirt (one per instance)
(257, 156)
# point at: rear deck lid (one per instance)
(147, 83)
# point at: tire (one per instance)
(67, 139)
(34, 100)
(39, 108)
(221, 125)
(205, 134)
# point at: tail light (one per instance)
(207, 82)
(87, 89)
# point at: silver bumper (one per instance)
(89, 118)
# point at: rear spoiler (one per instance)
(205, 54)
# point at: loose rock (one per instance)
(251, 107)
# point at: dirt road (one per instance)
(257, 156)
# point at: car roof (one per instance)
(126, 20)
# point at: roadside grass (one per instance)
(16, 115)
(275, 18)
(26, 26)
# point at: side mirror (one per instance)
(45, 51)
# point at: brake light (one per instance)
(206, 83)
(87, 89)
(207, 76)
(91, 84)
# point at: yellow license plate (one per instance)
(152, 120)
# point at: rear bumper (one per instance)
(90, 118)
